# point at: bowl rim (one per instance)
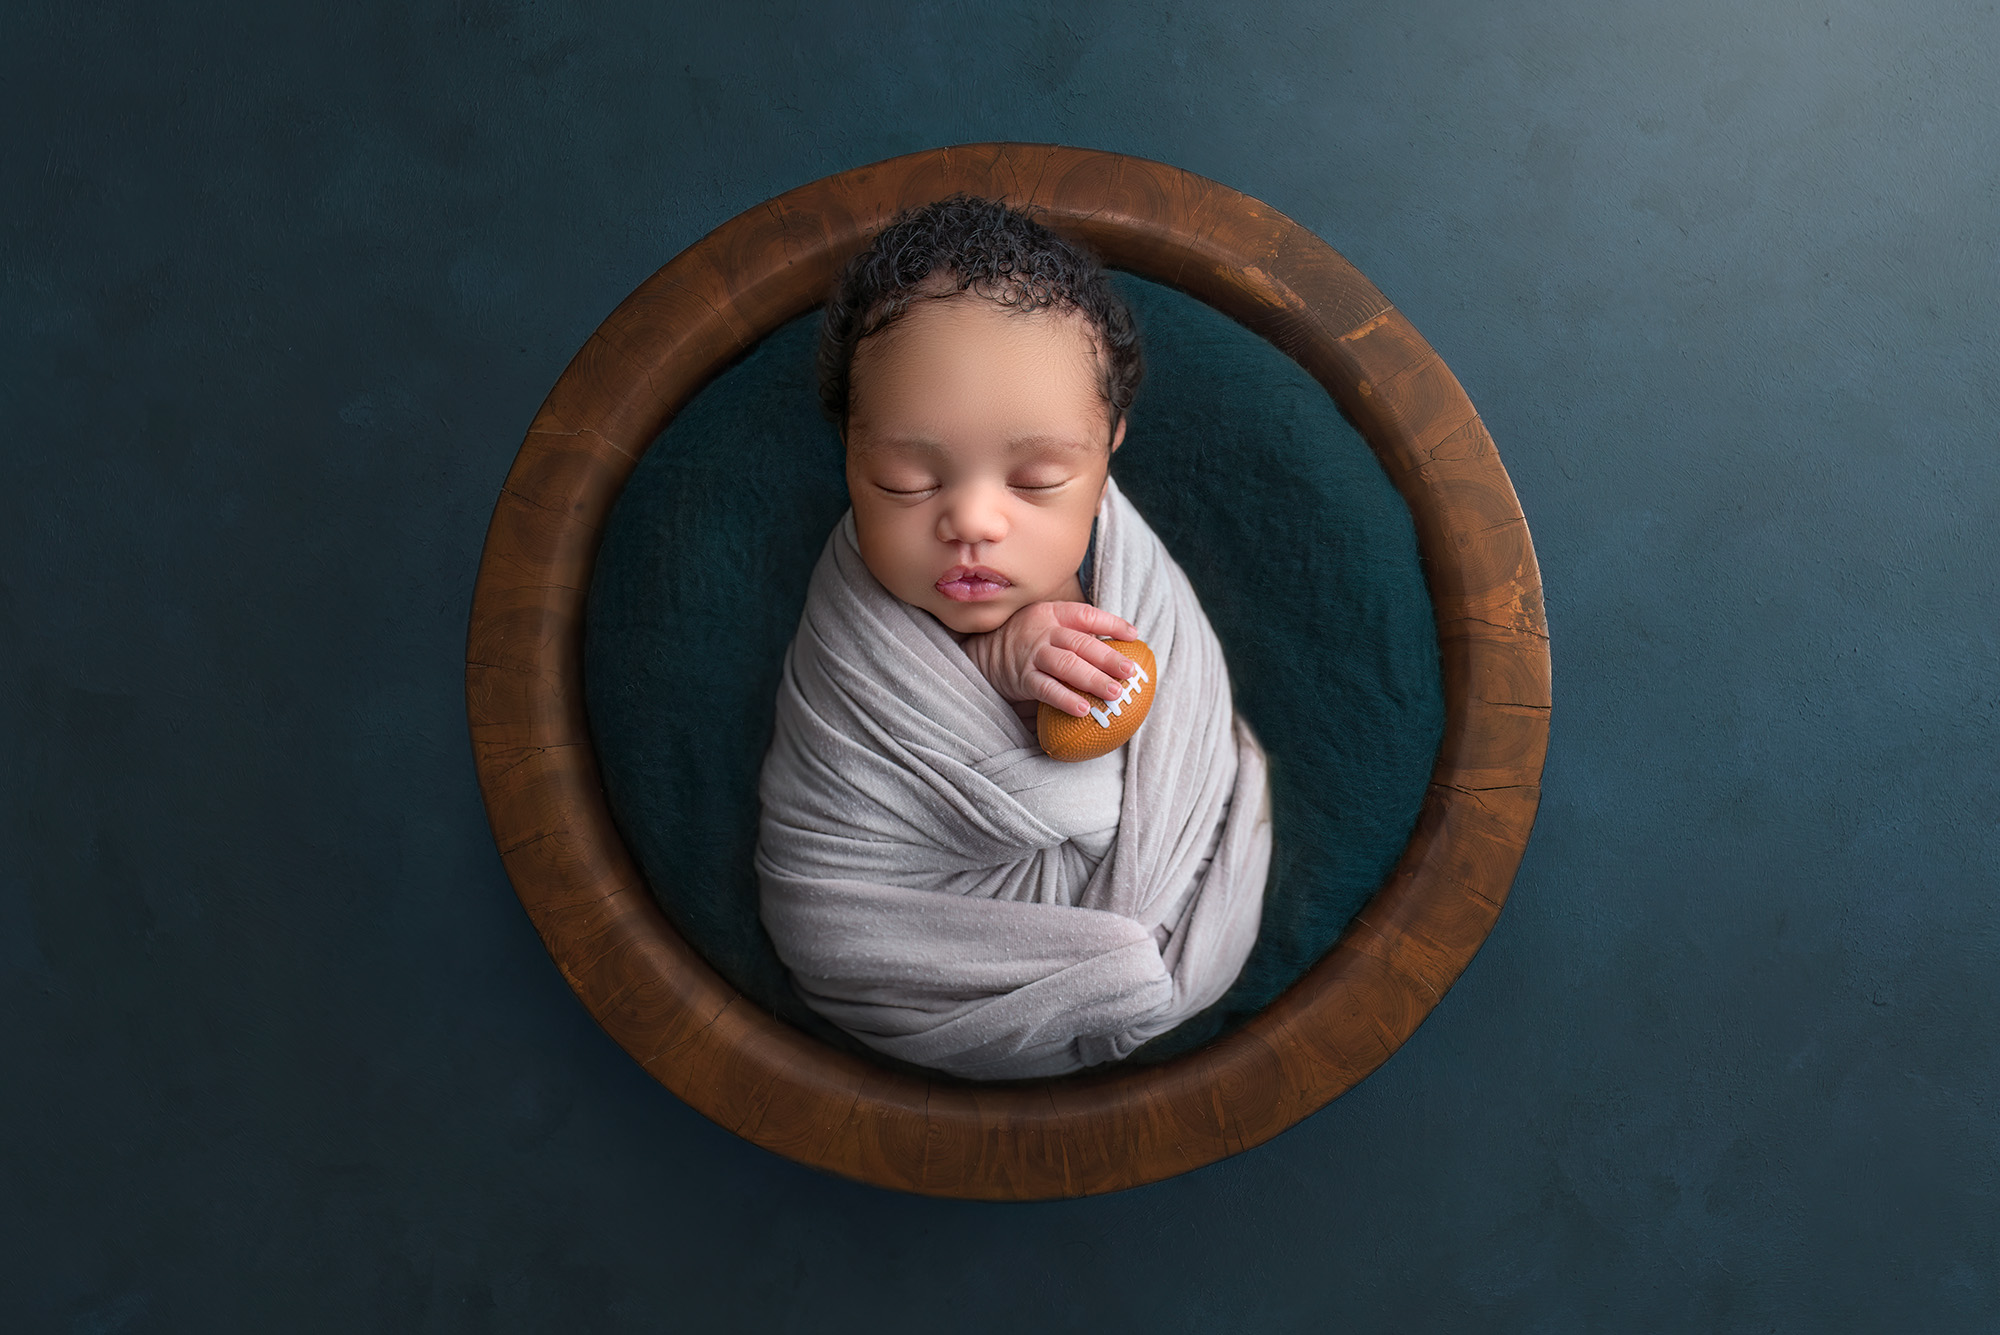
(1078, 1135)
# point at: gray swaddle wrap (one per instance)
(950, 895)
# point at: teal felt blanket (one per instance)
(1300, 549)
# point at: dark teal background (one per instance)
(280, 297)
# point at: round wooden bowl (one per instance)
(770, 1083)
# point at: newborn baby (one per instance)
(939, 887)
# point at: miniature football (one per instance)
(1110, 723)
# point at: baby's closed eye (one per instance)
(904, 480)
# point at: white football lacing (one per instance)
(1112, 708)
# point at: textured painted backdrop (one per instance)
(281, 294)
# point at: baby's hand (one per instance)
(1050, 652)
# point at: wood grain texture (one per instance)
(1033, 1140)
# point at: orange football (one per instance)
(1110, 723)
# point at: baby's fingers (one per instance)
(1093, 620)
(1099, 655)
(1052, 692)
(1070, 667)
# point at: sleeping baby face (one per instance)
(978, 441)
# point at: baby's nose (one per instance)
(973, 517)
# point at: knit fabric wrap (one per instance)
(951, 896)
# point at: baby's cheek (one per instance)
(883, 556)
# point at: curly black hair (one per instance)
(984, 247)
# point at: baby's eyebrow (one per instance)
(1043, 442)
(931, 445)
(876, 444)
